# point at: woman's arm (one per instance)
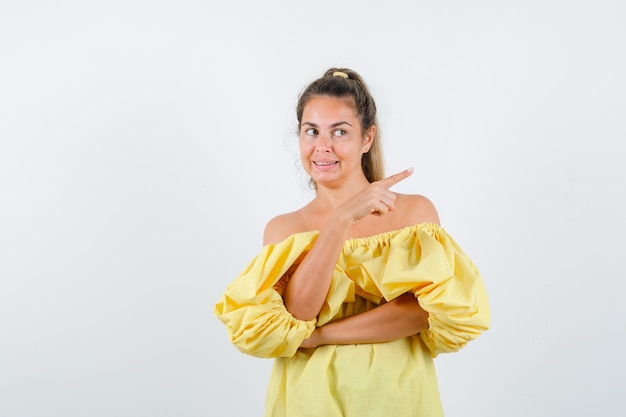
(306, 291)
(396, 319)
(307, 288)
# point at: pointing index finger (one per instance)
(392, 180)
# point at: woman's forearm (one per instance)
(399, 318)
(308, 287)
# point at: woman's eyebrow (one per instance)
(333, 125)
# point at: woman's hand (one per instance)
(312, 342)
(375, 199)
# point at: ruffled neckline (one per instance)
(389, 235)
(382, 237)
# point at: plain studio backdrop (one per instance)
(145, 144)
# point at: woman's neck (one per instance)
(330, 197)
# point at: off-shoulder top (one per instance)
(346, 380)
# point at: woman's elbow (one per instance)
(415, 316)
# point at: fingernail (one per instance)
(410, 170)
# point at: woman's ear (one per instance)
(368, 138)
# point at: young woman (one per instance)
(355, 293)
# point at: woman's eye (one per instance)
(339, 132)
(310, 132)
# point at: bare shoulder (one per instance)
(282, 226)
(416, 208)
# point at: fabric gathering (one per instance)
(378, 379)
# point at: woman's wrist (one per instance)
(318, 339)
(312, 341)
(339, 221)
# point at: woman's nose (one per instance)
(323, 143)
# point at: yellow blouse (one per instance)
(383, 379)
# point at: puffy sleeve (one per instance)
(431, 265)
(252, 307)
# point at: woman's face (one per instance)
(332, 141)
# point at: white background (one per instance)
(144, 144)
